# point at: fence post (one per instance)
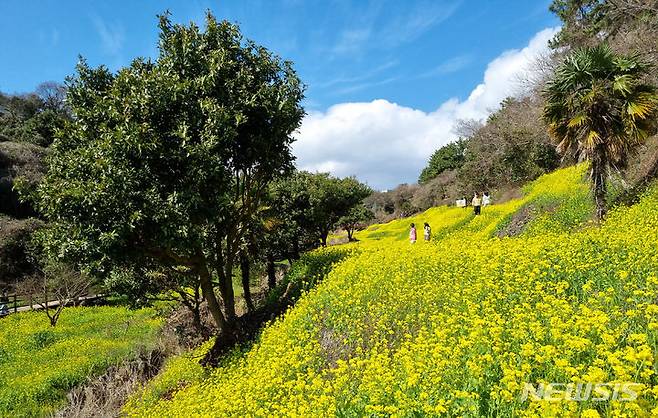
(15, 303)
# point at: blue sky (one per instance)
(418, 55)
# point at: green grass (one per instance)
(176, 373)
(39, 364)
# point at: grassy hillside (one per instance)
(559, 201)
(39, 364)
(457, 326)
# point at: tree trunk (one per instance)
(224, 270)
(599, 183)
(194, 306)
(271, 272)
(244, 271)
(228, 296)
(196, 320)
(350, 232)
(295, 249)
(211, 298)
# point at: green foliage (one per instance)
(581, 18)
(598, 108)
(32, 118)
(448, 157)
(285, 232)
(331, 198)
(316, 201)
(166, 161)
(588, 22)
(40, 364)
(15, 238)
(21, 165)
(357, 217)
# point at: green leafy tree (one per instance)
(448, 157)
(587, 22)
(33, 118)
(331, 198)
(581, 19)
(288, 227)
(167, 161)
(598, 108)
(307, 207)
(358, 216)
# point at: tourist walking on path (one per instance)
(427, 231)
(476, 202)
(486, 200)
(412, 234)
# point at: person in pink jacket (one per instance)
(412, 234)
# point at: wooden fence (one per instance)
(15, 303)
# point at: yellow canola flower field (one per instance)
(459, 326)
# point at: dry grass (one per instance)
(104, 396)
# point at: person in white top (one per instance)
(427, 231)
(486, 200)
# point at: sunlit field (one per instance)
(342, 209)
(459, 326)
(39, 364)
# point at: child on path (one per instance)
(412, 234)
(427, 231)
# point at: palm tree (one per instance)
(598, 109)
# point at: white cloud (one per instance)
(418, 20)
(449, 66)
(112, 35)
(385, 144)
(368, 31)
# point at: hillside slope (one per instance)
(458, 326)
(558, 201)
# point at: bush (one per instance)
(15, 238)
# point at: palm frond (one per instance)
(577, 120)
(623, 84)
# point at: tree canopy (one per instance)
(316, 201)
(448, 157)
(598, 108)
(356, 217)
(167, 161)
